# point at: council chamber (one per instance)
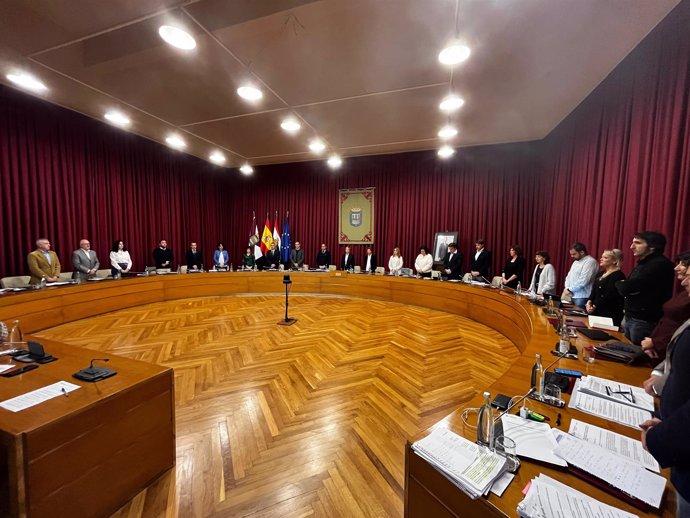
(322, 258)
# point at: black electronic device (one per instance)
(595, 334)
(17, 372)
(94, 374)
(36, 354)
(501, 401)
(571, 354)
(569, 373)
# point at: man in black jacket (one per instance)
(667, 438)
(452, 263)
(649, 285)
(347, 261)
(323, 258)
(163, 256)
(480, 261)
(369, 261)
(272, 257)
(194, 259)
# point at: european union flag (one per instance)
(285, 242)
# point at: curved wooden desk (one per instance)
(426, 491)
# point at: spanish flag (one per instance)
(267, 237)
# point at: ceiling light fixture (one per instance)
(176, 142)
(117, 117)
(217, 158)
(334, 162)
(454, 54)
(246, 169)
(291, 125)
(446, 152)
(451, 103)
(447, 132)
(317, 146)
(177, 37)
(27, 81)
(250, 93)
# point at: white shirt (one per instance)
(424, 263)
(395, 264)
(120, 257)
(476, 256)
(221, 258)
(368, 267)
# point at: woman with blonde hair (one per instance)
(395, 263)
(605, 301)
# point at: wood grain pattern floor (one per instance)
(306, 420)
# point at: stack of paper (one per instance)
(601, 323)
(470, 467)
(608, 408)
(626, 447)
(532, 439)
(548, 498)
(618, 392)
(619, 473)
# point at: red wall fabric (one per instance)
(619, 163)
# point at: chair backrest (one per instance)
(102, 274)
(435, 274)
(183, 268)
(358, 269)
(380, 270)
(65, 276)
(467, 277)
(305, 267)
(332, 267)
(497, 281)
(20, 281)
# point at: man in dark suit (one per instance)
(194, 259)
(323, 258)
(84, 261)
(347, 261)
(480, 261)
(369, 261)
(163, 256)
(452, 263)
(297, 256)
(272, 257)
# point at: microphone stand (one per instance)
(287, 321)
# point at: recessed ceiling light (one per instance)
(177, 37)
(334, 162)
(451, 103)
(117, 117)
(27, 81)
(251, 93)
(246, 169)
(447, 132)
(317, 146)
(446, 151)
(291, 125)
(176, 142)
(454, 54)
(217, 158)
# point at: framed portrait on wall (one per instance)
(441, 242)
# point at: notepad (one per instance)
(38, 396)
(602, 323)
(629, 478)
(532, 439)
(626, 447)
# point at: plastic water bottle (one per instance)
(538, 376)
(564, 341)
(44, 283)
(16, 334)
(518, 289)
(485, 423)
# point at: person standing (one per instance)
(323, 258)
(297, 256)
(480, 262)
(43, 263)
(544, 276)
(195, 261)
(163, 256)
(84, 261)
(347, 261)
(395, 262)
(452, 262)
(605, 301)
(248, 261)
(120, 260)
(580, 278)
(424, 263)
(369, 261)
(514, 269)
(221, 258)
(272, 257)
(649, 285)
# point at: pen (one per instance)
(64, 391)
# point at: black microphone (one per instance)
(98, 360)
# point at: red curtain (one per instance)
(619, 163)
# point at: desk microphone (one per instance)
(94, 374)
(97, 360)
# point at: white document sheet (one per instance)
(548, 498)
(610, 410)
(38, 396)
(532, 439)
(616, 443)
(628, 477)
(631, 396)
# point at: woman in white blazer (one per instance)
(395, 263)
(544, 276)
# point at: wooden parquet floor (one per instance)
(306, 420)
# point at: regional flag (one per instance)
(285, 242)
(276, 234)
(254, 240)
(267, 237)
